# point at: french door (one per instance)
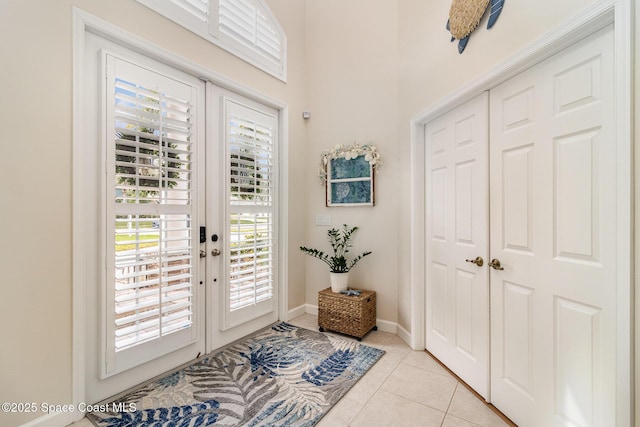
(552, 254)
(182, 217)
(243, 156)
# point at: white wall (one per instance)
(36, 123)
(351, 66)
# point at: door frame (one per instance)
(583, 24)
(84, 23)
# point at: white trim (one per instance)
(312, 309)
(405, 336)
(387, 326)
(295, 312)
(78, 357)
(587, 22)
(56, 419)
(417, 223)
(624, 19)
(84, 23)
(283, 214)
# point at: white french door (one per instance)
(181, 217)
(552, 231)
(145, 306)
(244, 159)
(458, 241)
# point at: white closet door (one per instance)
(553, 229)
(457, 321)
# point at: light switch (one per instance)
(323, 219)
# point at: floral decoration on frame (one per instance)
(348, 172)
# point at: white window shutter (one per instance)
(251, 24)
(150, 213)
(245, 28)
(252, 210)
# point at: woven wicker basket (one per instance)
(350, 315)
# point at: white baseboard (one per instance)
(386, 326)
(312, 309)
(295, 312)
(405, 336)
(58, 419)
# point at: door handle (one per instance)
(495, 264)
(215, 252)
(478, 261)
(203, 253)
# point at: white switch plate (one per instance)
(323, 219)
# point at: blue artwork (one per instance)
(354, 168)
(350, 182)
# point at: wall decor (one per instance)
(348, 172)
(465, 15)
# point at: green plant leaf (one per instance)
(340, 241)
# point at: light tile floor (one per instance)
(404, 388)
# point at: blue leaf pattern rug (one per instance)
(283, 376)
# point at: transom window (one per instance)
(245, 28)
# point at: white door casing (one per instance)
(457, 291)
(553, 228)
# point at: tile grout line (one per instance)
(446, 412)
(377, 390)
(495, 410)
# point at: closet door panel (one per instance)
(552, 204)
(457, 232)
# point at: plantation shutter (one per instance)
(150, 214)
(198, 9)
(251, 207)
(251, 24)
(245, 28)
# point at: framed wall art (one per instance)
(349, 175)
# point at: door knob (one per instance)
(495, 264)
(215, 252)
(203, 253)
(478, 261)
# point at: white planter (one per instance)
(339, 281)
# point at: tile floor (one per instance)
(404, 388)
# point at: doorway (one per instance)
(181, 216)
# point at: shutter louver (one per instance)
(244, 28)
(250, 258)
(196, 8)
(152, 195)
(252, 242)
(247, 23)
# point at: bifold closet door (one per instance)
(553, 229)
(457, 224)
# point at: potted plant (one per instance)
(340, 241)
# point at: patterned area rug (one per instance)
(284, 376)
